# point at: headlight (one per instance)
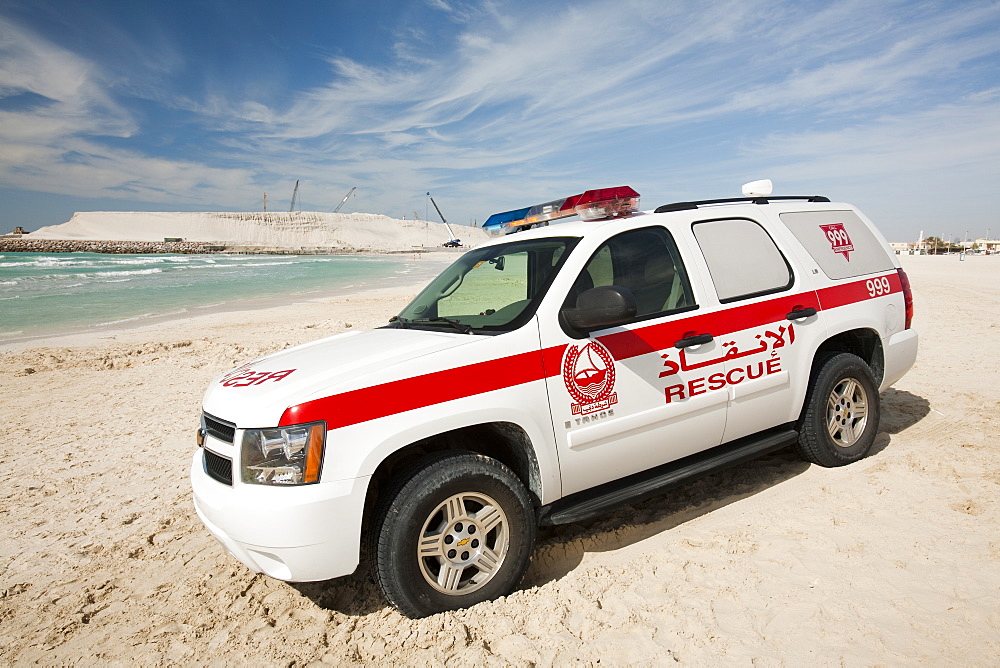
(283, 456)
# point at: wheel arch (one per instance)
(863, 342)
(507, 442)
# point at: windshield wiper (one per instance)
(402, 322)
(460, 326)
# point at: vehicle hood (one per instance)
(258, 392)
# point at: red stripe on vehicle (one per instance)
(406, 394)
(633, 343)
(857, 291)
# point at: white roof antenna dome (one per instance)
(761, 188)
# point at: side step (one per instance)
(603, 498)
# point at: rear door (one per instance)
(770, 324)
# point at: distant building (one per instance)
(910, 247)
(987, 245)
(923, 248)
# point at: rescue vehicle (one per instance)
(551, 375)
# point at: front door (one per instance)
(611, 408)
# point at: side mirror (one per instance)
(606, 306)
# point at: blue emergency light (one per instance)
(506, 219)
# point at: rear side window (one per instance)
(742, 259)
(839, 241)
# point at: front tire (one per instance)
(455, 530)
(841, 413)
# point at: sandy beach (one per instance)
(891, 561)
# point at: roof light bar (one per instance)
(590, 205)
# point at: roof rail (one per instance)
(685, 206)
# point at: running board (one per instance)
(603, 498)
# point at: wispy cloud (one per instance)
(53, 144)
(535, 95)
(473, 96)
(575, 72)
(72, 96)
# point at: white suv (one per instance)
(551, 375)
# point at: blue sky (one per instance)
(206, 105)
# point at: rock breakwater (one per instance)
(16, 244)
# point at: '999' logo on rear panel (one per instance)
(840, 240)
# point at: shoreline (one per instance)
(21, 244)
(200, 318)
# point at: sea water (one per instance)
(55, 293)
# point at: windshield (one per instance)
(491, 289)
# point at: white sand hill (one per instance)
(355, 231)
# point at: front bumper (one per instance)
(296, 534)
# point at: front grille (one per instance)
(220, 429)
(219, 468)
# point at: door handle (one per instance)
(695, 340)
(800, 313)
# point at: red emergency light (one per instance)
(603, 203)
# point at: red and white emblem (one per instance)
(589, 375)
(840, 241)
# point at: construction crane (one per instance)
(453, 243)
(349, 193)
(295, 195)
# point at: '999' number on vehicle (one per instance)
(838, 236)
(878, 286)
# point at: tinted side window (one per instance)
(742, 258)
(646, 262)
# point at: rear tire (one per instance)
(455, 530)
(841, 413)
